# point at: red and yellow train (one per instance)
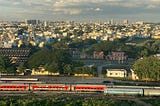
(107, 90)
(52, 87)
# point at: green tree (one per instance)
(53, 67)
(21, 67)
(52, 60)
(67, 69)
(41, 57)
(81, 44)
(9, 66)
(2, 64)
(144, 52)
(155, 46)
(152, 46)
(59, 45)
(148, 68)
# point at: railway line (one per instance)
(8, 87)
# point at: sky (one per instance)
(80, 10)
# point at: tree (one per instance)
(41, 57)
(21, 67)
(59, 45)
(155, 46)
(53, 67)
(52, 60)
(2, 64)
(152, 46)
(81, 44)
(62, 57)
(144, 52)
(67, 69)
(148, 68)
(9, 66)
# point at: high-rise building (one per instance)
(32, 22)
(112, 22)
(125, 21)
(45, 23)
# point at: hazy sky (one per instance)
(81, 10)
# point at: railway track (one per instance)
(47, 92)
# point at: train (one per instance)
(74, 87)
(52, 87)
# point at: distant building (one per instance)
(17, 55)
(32, 22)
(133, 75)
(112, 22)
(46, 23)
(126, 21)
(117, 56)
(83, 75)
(75, 54)
(84, 56)
(158, 56)
(156, 36)
(116, 73)
(42, 71)
(139, 22)
(98, 55)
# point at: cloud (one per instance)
(79, 8)
(98, 9)
(71, 11)
(83, 6)
(67, 7)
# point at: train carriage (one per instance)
(123, 91)
(14, 87)
(88, 87)
(151, 92)
(49, 87)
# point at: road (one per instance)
(93, 80)
(60, 79)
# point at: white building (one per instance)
(133, 75)
(116, 73)
(158, 56)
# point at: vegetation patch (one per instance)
(7, 101)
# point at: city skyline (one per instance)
(81, 10)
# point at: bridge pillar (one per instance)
(99, 71)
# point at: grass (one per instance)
(153, 101)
